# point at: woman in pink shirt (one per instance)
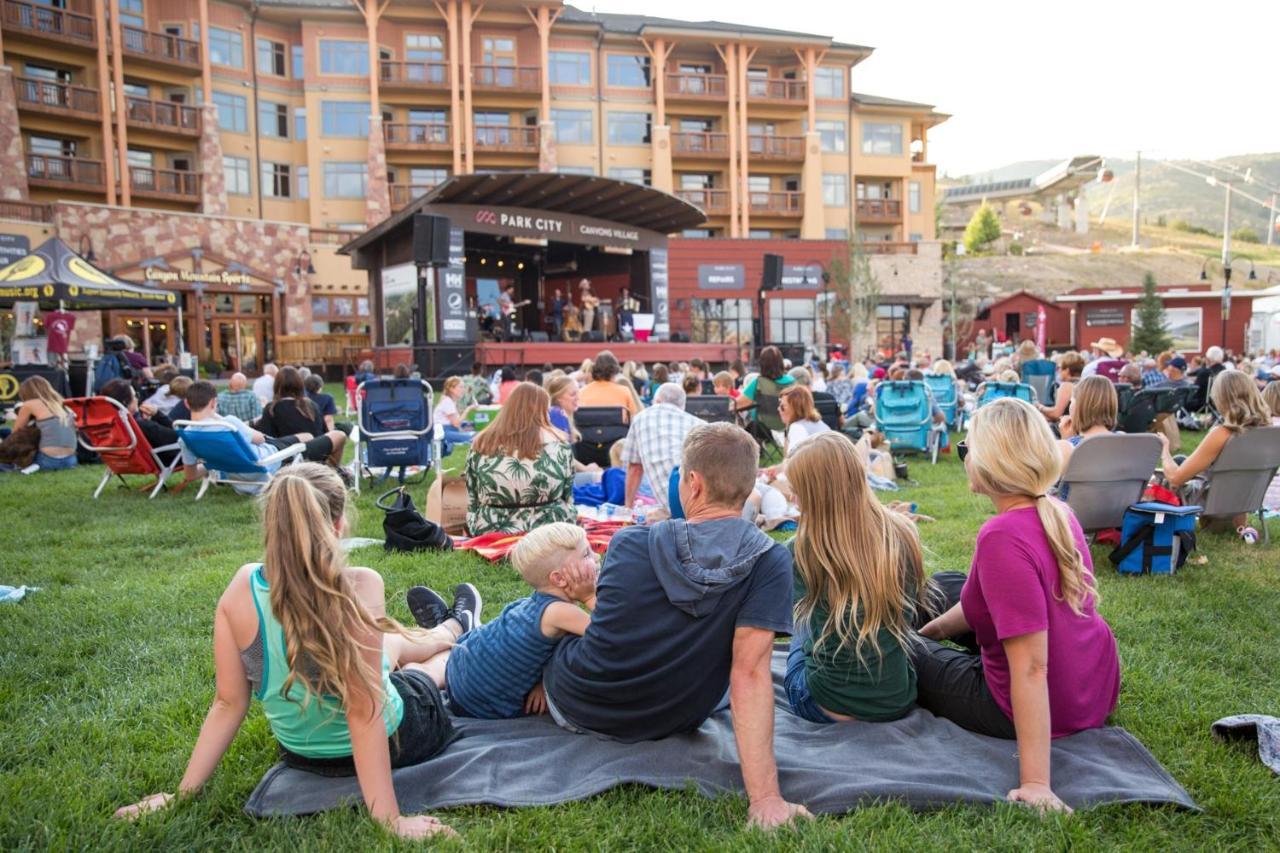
(1042, 663)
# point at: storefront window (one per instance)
(319, 306)
(792, 321)
(721, 321)
(892, 322)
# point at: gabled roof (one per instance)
(638, 24)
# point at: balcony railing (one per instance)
(696, 85)
(711, 201)
(887, 247)
(160, 47)
(416, 135)
(26, 211)
(767, 147)
(64, 171)
(424, 75)
(700, 144)
(507, 78)
(48, 96)
(171, 183)
(521, 139)
(787, 203)
(879, 208)
(332, 236)
(163, 115)
(48, 22)
(402, 194)
(790, 91)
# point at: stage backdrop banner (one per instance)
(658, 278)
(453, 291)
(399, 298)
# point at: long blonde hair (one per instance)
(1013, 453)
(556, 386)
(310, 595)
(38, 388)
(853, 555)
(1236, 397)
(518, 428)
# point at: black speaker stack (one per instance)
(430, 240)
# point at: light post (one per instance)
(1226, 283)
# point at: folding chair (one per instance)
(1041, 375)
(763, 422)
(1106, 475)
(106, 428)
(229, 459)
(1236, 483)
(996, 390)
(829, 410)
(350, 385)
(943, 388)
(394, 417)
(904, 416)
(710, 408)
(601, 427)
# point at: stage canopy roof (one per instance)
(54, 275)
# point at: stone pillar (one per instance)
(546, 146)
(1082, 213)
(13, 164)
(814, 224)
(378, 201)
(213, 181)
(661, 175)
(1064, 214)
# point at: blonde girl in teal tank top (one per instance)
(339, 681)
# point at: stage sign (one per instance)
(546, 225)
(13, 247)
(1104, 317)
(722, 277)
(659, 279)
(453, 292)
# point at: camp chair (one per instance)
(228, 459)
(943, 388)
(762, 420)
(600, 427)
(394, 418)
(1140, 408)
(350, 385)
(1041, 375)
(106, 428)
(711, 408)
(904, 417)
(1236, 483)
(996, 390)
(1106, 475)
(828, 409)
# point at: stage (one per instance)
(520, 354)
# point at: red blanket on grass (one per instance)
(495, 546)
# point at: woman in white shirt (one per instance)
(456, 430)
(800, 416)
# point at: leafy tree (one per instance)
(983, 229)
(856, 293)
(1245, 234)
(1149, 332)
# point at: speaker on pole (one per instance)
(430, 240)
(772, 277)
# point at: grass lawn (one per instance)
(106, 674)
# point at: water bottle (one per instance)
(637, 513)
(608, 511)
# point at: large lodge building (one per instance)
(227, 150)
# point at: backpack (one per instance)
(406, 529)
(1155, 538)
(113, 365)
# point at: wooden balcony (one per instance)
(871, 210)
(683, 86)
(712, 202)
(506, 78)
(26, 211)
(767, 147)
(163, 116)
(402, 194)
(48, 24)
(516, 140)
(700, 144)
(416, 136)
(160, 48)
(165, 184)
(414, 76)
(58, 99)
(785, 203)
(778, 91)
(65, 173)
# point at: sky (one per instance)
(1035, 80)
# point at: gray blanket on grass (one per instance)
(922, 761)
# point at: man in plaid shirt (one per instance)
(239, 401)
(655, 442)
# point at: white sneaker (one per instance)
(31, 469)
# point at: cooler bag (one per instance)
(1155, 538)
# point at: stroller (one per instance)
(394, 417)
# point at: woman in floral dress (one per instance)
(520, 470)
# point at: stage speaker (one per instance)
(430, 240)
(772, 278)
(679, 338)
(538, 337)
(594, 337)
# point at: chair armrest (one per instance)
(177, 445)
(281, 455)
(399, 433)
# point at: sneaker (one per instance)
(466, 606)
(31, 469)
(427, 607)
(1248, 535)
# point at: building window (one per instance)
(131, 14)
(792, 321)
(760, 234)
(346, 180)
(226, 47)
(304, 182)
(832, 135)
(271, 58)
(892, 322)
(235, 171)
(569, 68)
(273, 120)
(913, 196)
(277, 180)
(837, 233)
(349, 58)
(576, 170)
(720, 321)
(634, 175)
(628, 128)
(915, 237)
(344, 118)
(298, 60)
(696, 233)
(300, 123)
(573, 127)
(883, 139)
(427, 177)
(835, 190)
(828, 82)
(423, 47)
(628, 70)
(233, 112)
(496, 50)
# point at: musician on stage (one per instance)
(555, 317)
(627, 305)
(589, 304)
(506, 306)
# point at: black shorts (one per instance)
(318, 449)
(425, 730)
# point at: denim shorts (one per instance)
(796, 684)
(55, 463)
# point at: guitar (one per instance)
(590, 302)
(515, 305)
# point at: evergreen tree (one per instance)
(983, 229)
(1149, 332)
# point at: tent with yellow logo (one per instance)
(55, 276)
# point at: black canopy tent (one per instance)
(57, 277)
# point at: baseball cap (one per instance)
(1178, 362)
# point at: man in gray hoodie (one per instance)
(685, 610)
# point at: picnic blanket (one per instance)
(496, 546)
(922, 761)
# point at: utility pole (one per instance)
(1226, 263)
(1137, 187)
(1271, 222)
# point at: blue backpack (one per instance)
(111, 366)
(1155, 538)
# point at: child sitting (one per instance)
(495, 670)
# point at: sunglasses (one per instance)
(962, 449)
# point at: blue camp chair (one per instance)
(904, 417)
(394, 423)
(228, 459)
(1041, 375)
(943, 388)
(996, 390)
